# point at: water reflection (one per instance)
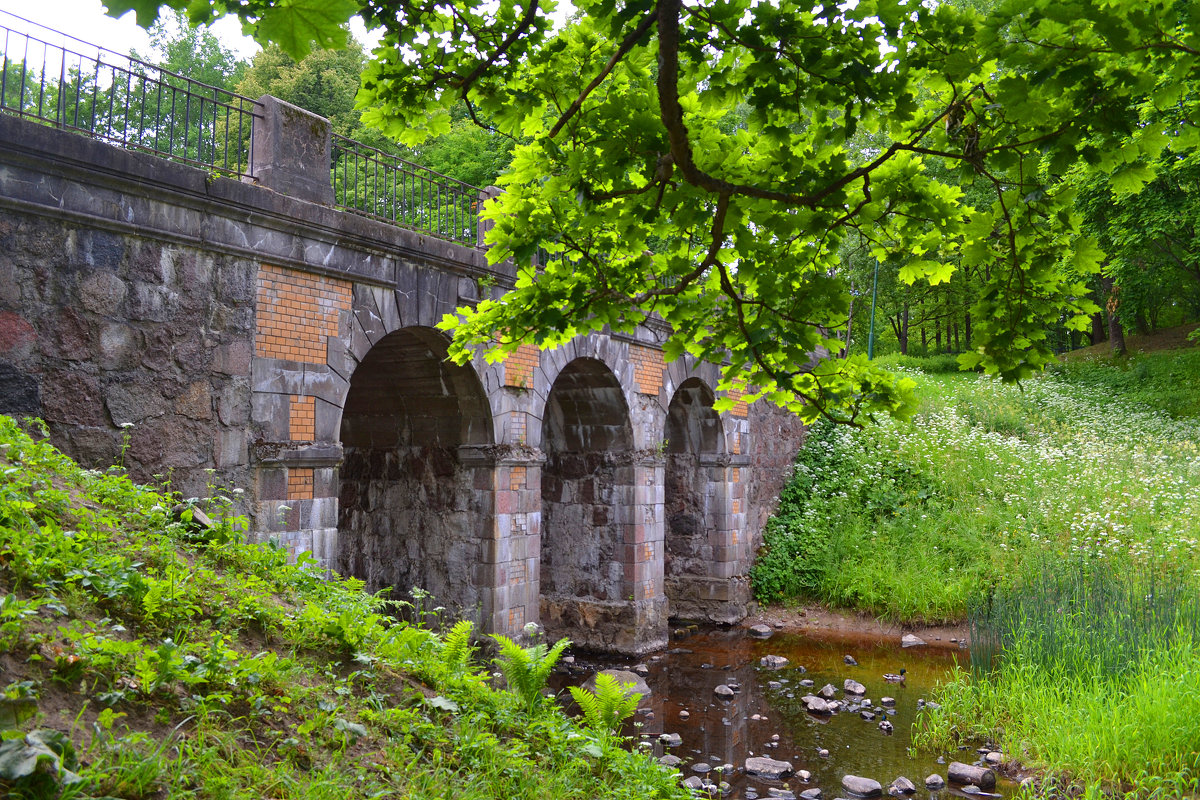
(765, 715)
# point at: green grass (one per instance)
(1066, 513)
(1089, 673)
(911, 520)
(144, 657)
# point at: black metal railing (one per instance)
(369, 181)
(124, 101)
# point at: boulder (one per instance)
(694, 783)
(816, 705)
(850, 660)
(670, 761)
(827, 691)
(994, 758)
(934, 782)
(887, 701)
(811, 794)
(723, 691)
(773, 662)
(761, 631)
(911, 640)
(768, 767)
(863, 787)
(901, 785)
(854, 687)
(671, 739)
(701, 768)
(961, 773)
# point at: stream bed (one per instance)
(766, 717)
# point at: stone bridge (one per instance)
(246, 334)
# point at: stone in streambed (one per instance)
(723, 691)
(773, 662)
(863, 787)
(817, 705)
(911, 640)
(961, 773)
(827, 691)
(934, 782)
(811, 794)
(768, 767)
(854, 687)
(901, 786)
(761, 631)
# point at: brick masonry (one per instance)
(648, 368)
(297, 313)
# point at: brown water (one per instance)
(720, 731)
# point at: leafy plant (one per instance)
(37, 762)
(526, 669)
(607, 706)
(457, 649)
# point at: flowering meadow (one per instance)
(912, 520)
(1062, 517)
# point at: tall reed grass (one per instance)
(1089, 673)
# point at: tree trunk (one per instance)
(967, 329)
(904, 331)
(1116, 335)
(956, 337)
(1097, 334)
(937, 337)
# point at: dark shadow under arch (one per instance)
(408, 513)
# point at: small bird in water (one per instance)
(892, 677)
(886, 726)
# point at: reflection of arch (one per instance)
(694, 495)
(408, 514)
(587, 483)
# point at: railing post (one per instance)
(292, 151)
(482, 226)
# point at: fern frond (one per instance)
(609, 705)
(456, 646)
(527, 669)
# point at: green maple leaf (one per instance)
(295, 25)
(146, 10)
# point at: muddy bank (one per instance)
(836, 623)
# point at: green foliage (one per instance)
(911, 520)
(608, 705)
(1086, 673)
(214, 669)
(526, 669)
(1163, 380)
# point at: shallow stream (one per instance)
(765, 716)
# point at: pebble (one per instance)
(887, 701)
(761, 631)
(935, 782)
(807, 683)
(850, 660)
(671, 739)
(701, 768)
(670, 760)
(773, 662)
(823, 753)
(902, 785)
(684, 714)
(811, 794)
(781, 794)
(723, 691)
(694, 783)
(854, 687)
(804, 775)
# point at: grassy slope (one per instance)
(1072, 505)
(910, 520)
(139, 660)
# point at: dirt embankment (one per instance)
(832, 623)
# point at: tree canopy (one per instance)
(708, 162)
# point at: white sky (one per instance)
(86, 20)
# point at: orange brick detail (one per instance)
(518, 367)
(297, 312)
(516, 617)
(737, 505)
(302, 418)
(737, 444)
(648, 366)
(517, 478)
(740, 409)
(735, 475)
(300, 483)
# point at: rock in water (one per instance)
(811, 794)
(773, 662)
(671, 739)
(911, 640)
(768, 767)
(854, 687)
(850, 660)
(761, 631)
(863, 787)
(723, 691)
(828, 692)
(961, 773)
(902, 785)
(816, 705)
(694, 783)
(934, 782)
(670, 760)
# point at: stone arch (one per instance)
(410, 510)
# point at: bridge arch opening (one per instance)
(694, 499)
(409, 512)
(587, 498)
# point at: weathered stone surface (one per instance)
(863, 787)
(961, 773)
(761, 631)
(768, 767)
(773, 662)
(811, 794)
(827, 691)
(671, 739)
(721, 690)
(901, 785)
(670, 760)
(854, 687)
(934, 782)
(911, 640)
(818, 705)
